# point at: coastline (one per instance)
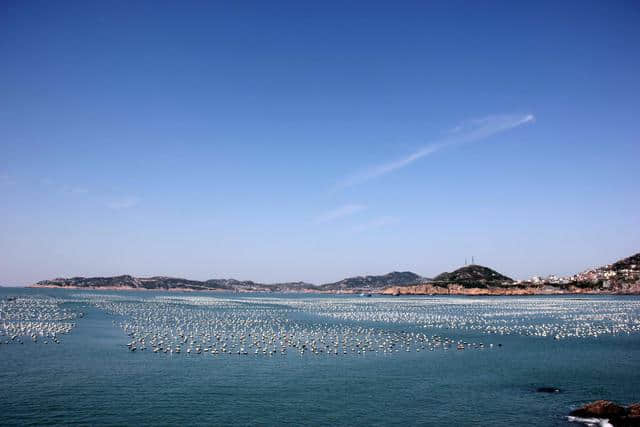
(619, 278)
(123, 288)
(428, 289)
(417, 290)
(131, 288)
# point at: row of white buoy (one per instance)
(532, 316)
(197, 326)
(36, 319)
(39, 309)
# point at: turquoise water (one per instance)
(91, 376)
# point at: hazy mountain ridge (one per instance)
(162, 282)
(127, 281)
(622, 276)
(170, 283)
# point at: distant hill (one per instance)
(404, 278)
(248, 285)
(630, 264)
(166, 283)
(127, 281)
(473, 276)
(622, 276)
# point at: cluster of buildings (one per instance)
(619, 272)
(552, 279)
(607, 274)
(539, 280)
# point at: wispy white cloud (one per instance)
(123, 203)
(471, 131)
(340, 212)
(373, 224)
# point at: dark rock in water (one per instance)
(625, 421)
(618, 416)
(600, 409)
(548, 390)
(633, 410)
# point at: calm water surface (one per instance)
(91, 377)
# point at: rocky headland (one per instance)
(621, 277)
(606, 412)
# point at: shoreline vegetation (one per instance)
(619, 278)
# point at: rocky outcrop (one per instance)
(633, 410)
(600, 409)
(617, 415)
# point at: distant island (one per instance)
(621, 277)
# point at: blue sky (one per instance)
(280, 141)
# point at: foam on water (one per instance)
(590, 422)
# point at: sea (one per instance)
(304, 359)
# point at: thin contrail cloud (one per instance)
(471, 131)
(339, 212)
